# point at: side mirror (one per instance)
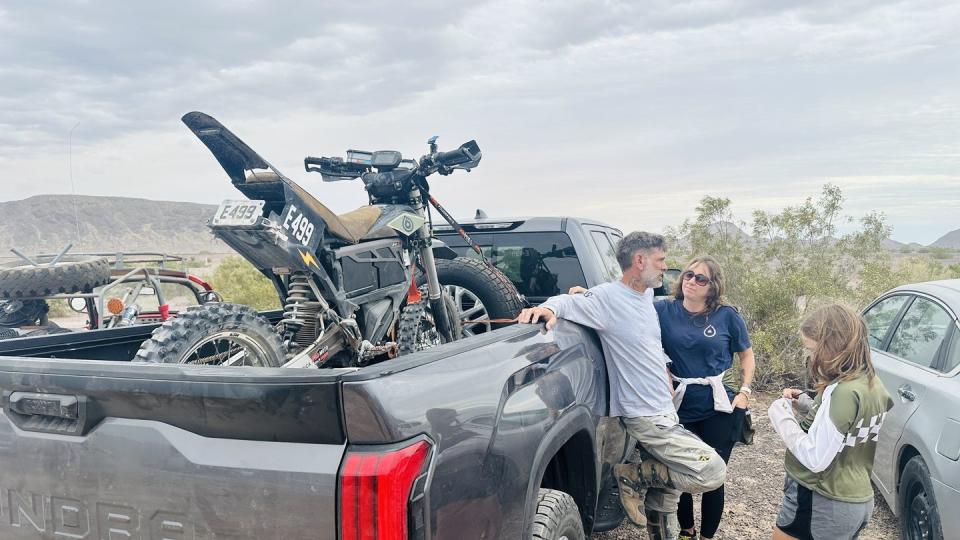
(210, 296)
(78, 304)
(669, 278)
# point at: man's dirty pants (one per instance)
(694, 467)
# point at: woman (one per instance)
(700, 334)
(827, 491)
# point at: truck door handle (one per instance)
(907, 393)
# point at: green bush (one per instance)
(59, 309)
(795, 262)
(239, 282)
(940, 253)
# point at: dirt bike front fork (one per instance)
(438, 307)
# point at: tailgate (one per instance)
(109, 450)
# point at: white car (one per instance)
(915, 341)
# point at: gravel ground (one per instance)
(754, 488)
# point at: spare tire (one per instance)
(480, 292)
(71, 274)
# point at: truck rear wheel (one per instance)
(557, 517)
(479, 291)
(72, 273)
(215, 334)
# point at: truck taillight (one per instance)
(381, 493)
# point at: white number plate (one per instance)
(298, 224)
(238, 213)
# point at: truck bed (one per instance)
(94, 448)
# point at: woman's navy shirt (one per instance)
(700, 346)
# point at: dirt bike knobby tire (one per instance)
(176, 337)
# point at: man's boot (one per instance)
(631, 493)
(662, 525)
(633, 479)
(646, 474)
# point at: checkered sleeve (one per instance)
(845, 413)
(819, 446)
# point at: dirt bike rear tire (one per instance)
(174, 341)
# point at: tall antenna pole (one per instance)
(73, 188)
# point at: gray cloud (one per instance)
(600, 106)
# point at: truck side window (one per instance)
(540, 264)
(608, 255)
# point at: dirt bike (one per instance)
(352, 285)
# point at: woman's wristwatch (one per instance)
(745, 390)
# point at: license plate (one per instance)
(234, 213)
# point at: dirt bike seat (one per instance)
(350, 227)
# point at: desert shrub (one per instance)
(239, 282)
(793, 261)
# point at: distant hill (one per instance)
(731, 229)
(893, 245)
(46, 223)
(950, 240)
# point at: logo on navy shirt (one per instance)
(710, 331)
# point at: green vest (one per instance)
(856, 410)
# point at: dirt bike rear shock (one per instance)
(299, 309)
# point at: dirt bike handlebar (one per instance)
(334, 168)
(467, 156)
(469, 152)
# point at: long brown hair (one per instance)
(718, 284)
(842, 351)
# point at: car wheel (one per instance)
(919, 517)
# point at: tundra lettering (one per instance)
(64, 517)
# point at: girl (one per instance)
(827, 491)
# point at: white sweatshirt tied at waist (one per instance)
(721, 401)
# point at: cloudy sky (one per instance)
(625, 111)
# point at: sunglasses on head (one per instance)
(700, 279)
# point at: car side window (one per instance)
(920, 335)
(881, 316)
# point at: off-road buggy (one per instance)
(59, 293)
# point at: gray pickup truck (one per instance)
(501, 435)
